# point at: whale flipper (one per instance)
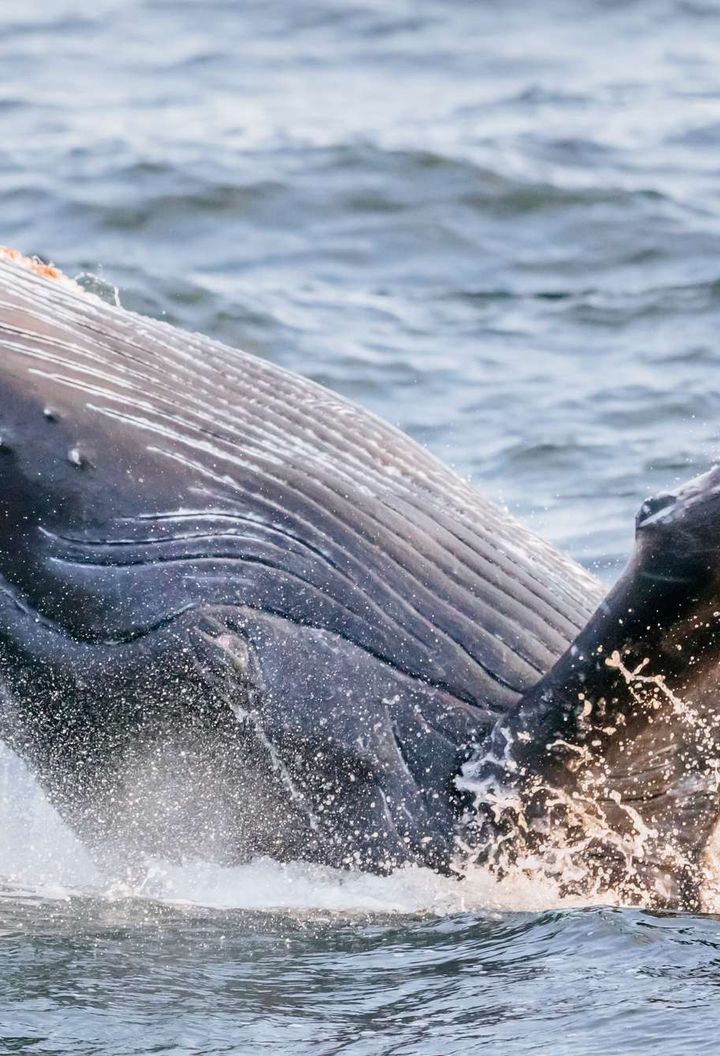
(609, 767)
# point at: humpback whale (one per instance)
(241, 616)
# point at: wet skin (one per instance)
(239, 615)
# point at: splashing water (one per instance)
(39, 855)
(586, 828)
(37, 852)
(99, 286)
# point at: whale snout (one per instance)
(696, 503)
(653, 509)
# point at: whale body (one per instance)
(239, 615)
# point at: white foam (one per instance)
(40, 855)
(300, 887)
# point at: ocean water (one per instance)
(496, 225)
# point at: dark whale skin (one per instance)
(238, 614)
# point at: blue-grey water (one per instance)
(498, 226)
